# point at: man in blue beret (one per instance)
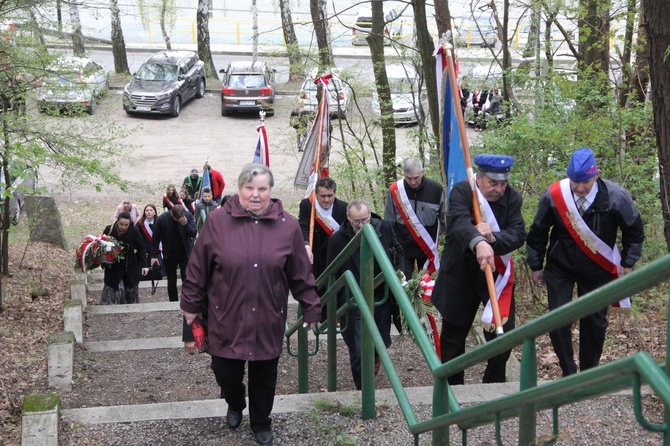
(461, 286)
(575, 215)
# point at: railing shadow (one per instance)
(631, 372)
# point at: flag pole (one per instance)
(317, 170)
(477, 213)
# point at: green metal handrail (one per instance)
(631, 372)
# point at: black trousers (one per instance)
(352, 335)
(452, 345)
(229, 375)
(171, 263)
(592, 329)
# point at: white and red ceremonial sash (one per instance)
(166, 202)
(504, 267)
(191, 208)
(326, 221)
(416, 229)
(600, 252)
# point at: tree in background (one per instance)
(166, 11)
(657, 15)
(292, 47)
(204, 51)
(77, 37)
(320, 21)
(118, 42)
(426, 48)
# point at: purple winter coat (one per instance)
(245, 268)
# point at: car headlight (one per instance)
(165, 94)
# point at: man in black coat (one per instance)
(175, 229)
(358, 215)
(330, 213)
(461, 284)
(571, 233)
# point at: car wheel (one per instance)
(200, 89)
(176, 107)
(89, 107)
(128, 112)
(224, 112)
(270, 112)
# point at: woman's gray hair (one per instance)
(251, 170)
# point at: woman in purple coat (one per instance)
(248, 256)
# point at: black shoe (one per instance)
(234, 418)
(264, 437)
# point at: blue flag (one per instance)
(206, 179)
(452, 152)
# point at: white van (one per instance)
(405, 94)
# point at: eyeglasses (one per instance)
(362, 221)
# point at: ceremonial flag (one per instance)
(206, 179)
(314, 162)
(452, 156)
(262, 155)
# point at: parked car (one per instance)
(72, 82)
(165, 82)
(470, 33)
(247, 87)
(22, 180)
(405, 94)
(363, 26)
(339, 94)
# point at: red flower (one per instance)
(110, 257)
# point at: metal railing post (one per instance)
(303, 363)
(528, 380)
(367, 347)
(331, 335)
(666, 410)
(441, 407)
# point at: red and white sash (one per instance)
(166, 202)
(600, 252)
(416, 229)
(149, 234)
(504, 266)
(325, 220)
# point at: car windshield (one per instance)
(157, 72)
(400, 86)
(246, 81)
(63, 78)
(334, 85)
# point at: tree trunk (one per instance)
(627, 51)
(163, 14)
(254, 32)
(594, 47)
(443, 19)
(657, 14)
(204, 50)
(375, 40)
(295, 70)
(6, 208)
(426, 49)
(118, 42)
(533, 32)
(318, 10)
(77, 38)
(640, 76)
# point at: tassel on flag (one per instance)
(317, 144)
(452, 157)
(262, 154)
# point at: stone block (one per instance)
(73, 319)
(81, 277)
(44, 220)
(78, 292)
(61, 360)
(39, 420)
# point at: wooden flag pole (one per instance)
(477, 213)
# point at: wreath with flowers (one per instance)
(419, 290)
(94, 251)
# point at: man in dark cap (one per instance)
(576, 215)
(461, 286)
(192, 183)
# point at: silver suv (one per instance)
(165, 82)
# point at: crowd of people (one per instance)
(250, 253)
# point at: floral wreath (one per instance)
(94, 251)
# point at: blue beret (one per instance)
(496, 167)
(582, 165)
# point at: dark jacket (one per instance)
(163, 232)
(320, 240)
(245, 268)
(427, 201)
(392, 247)
(460, 274)
(191, 185)
(612, 209)
(202, 210)
(134, 258)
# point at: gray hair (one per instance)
(411, 165)
(357, 203)
(251, 170)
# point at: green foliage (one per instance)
(325, 405)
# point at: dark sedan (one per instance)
(164, 82)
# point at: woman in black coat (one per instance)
(128, 269)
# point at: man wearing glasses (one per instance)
(359, 215)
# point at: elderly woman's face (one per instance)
(255, 195)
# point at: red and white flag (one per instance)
(262, 154)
